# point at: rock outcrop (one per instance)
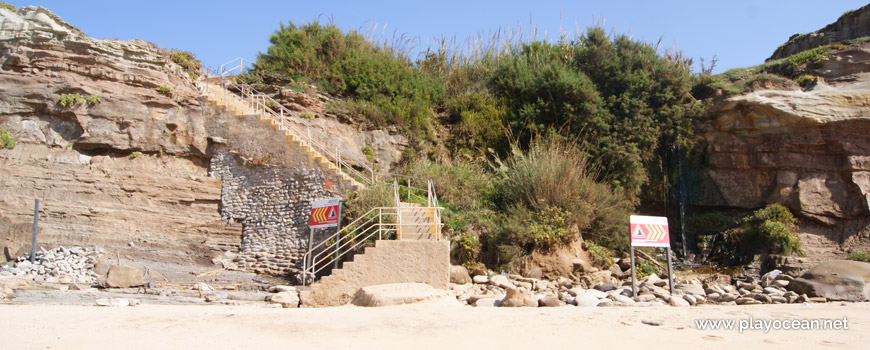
(806, 149)
(835, 280)
(851, 25)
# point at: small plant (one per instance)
(307, 115)
(599, 254)
(774, 227)
(135, 154)
(805, 80)
(6, 139)
(165, 90)
(466, 248)
(186, 60)
(646, 269)
(369, 152)
(70, 100)
(9, 7)
(161, 152)
(271, 104)
(860, 256)
(92, 100)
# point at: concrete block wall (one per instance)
(420, 261)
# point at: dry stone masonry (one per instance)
(61, 264)
(273, 205)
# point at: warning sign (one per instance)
(324, 213)
(649, 231)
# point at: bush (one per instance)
(165, 90)
(187, 61)
(6, 139)
(805, 80)
(599, 254)
(369, 152)
(646, 269)
(466, 247)
(860, 256)
(92, 100)
(9, 7)
(70, 100)
(773, 227)
(555, 173)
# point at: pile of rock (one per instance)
(61, 264)
(489, 289)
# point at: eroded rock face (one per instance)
(852, 25)
(806, 149)
(42, 58)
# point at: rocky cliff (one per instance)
(852, 24)
(123, 153)
(120, 164)
(805, 148)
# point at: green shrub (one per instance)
(369, 152)
(92, 100)
(187, 61)
(646, 268)
(165, 90)
(9, 7)
(599, 254)
(6, 139)
(466, 247)
(555, 173)
(805, 79)
(860, 256)
(135, 154)
(70, 100)
(772, 226)
(307, 115)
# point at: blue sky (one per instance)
(740, 33)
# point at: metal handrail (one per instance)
(318, 142)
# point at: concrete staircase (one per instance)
(416, 223)
(388, 261)
(235, 105)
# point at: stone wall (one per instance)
(273, 206)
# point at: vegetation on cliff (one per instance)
(549, 138)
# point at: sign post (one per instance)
(650, 231)
(324, 213)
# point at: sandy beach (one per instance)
(420, 326)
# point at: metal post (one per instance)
(338, 235)
(35, 229)
(308, 261)
(633, 275)
(670, 272)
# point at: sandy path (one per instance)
(416, 327)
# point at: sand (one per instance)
(420, 326)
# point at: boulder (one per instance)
(479, 279)
(286, 299)
(535, 272)
(549, 301)
(835, 280)
(676, 300)
(459, 275)
(399, 294)
(123, 277)
(501, 281)
(584, 299)
(519, 297)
